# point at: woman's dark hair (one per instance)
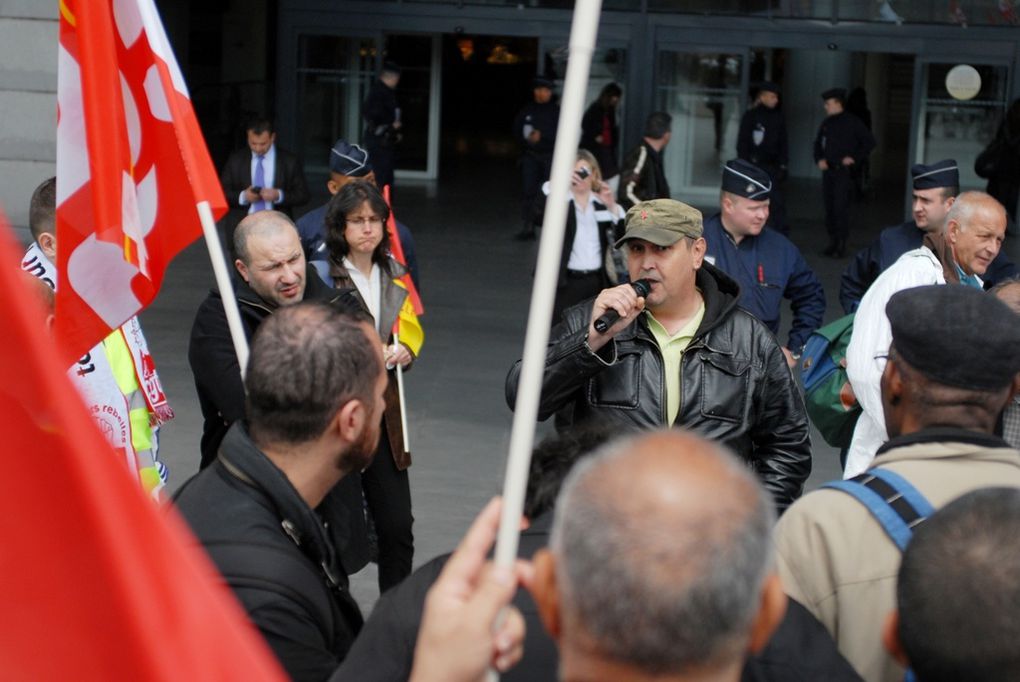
(608, 92)
(349, 199)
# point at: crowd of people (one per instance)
(667, 534)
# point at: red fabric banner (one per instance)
(99, 582)
(131, 165)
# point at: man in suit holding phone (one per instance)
(261, 177)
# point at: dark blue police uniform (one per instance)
(769, 268)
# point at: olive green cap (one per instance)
(662, 222)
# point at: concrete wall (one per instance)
(28, 103)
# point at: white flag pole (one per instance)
(583, 32)
(403, 399)
(219, 263)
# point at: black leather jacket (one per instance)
(736, 386)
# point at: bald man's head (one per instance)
(662, 548)
(270, 258)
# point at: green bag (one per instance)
(830, 400)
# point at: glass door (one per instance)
(951, 127)
(704, 93)
(334, 73)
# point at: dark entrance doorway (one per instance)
(486, 80)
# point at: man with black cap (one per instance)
(953, 366)
(766, 264)
(958, 254)
(935, 188)
(347, 163)
(842, 141)
(684, 354)
(382, 122)
(535, 128)
(762, 141)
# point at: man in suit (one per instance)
(261, 177)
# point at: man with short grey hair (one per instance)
(959, 253)
(675, 580)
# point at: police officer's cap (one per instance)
(391, 67)
(542, 82)
(768, 86)
(943, 173)
(349, 159)
(835, 93)
(745, 179)
(956, 335)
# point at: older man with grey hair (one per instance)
(959, 253)
(673, 581)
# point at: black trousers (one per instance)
(576, 288)
(388, 493)
(383, 157)
(838, 189)
(534, 171)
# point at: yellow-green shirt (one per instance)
(672, 348)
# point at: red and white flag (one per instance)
(131, 166)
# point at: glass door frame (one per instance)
(919, 105)
(431, 171)
(695, 194)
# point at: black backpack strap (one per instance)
(894, 502)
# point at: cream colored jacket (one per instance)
(835, 559)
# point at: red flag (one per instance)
(397, 249)
(99, 582)
(131, 165)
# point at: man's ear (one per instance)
(350, 420)
(891, 638)
(952, 231)
(242, 269)
(698, 249)
(770, 613)
(333, 186)
(543, 590)
(48, 244)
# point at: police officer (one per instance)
(382, 123)
(535, 127)
(766, 264)
(935, 188)
(762, 141)
(842, 141)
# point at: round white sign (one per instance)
(963, 81)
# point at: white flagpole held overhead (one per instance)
(583, 33)
(219, 264)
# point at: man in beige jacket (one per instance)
(952, 367)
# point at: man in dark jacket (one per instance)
(935, 188)
(642, 176)
(762, 141)
(315, 384)
(272, 273)
(842, 142)
(535, 128)
(382, 122)
(686, 355)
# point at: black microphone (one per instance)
(608, 318)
